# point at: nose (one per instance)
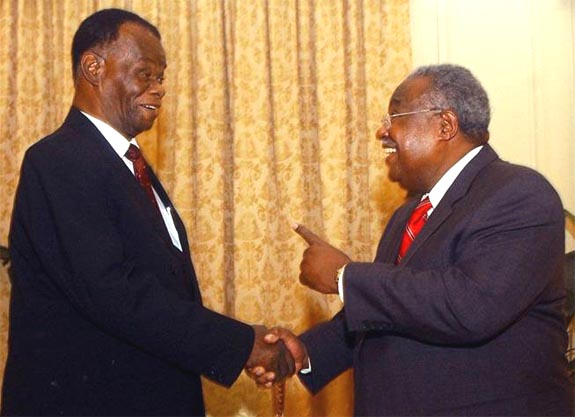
(158, 89)
(381, 133)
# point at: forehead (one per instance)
(409, 91)
(138, 43)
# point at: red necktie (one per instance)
(413, 227)
(141, 172)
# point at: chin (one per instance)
(393, 177)
(143, 127)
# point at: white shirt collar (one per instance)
(441, 187)
(116, 140)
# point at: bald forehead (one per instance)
(132, 32)
(136, 39)
(135, 29)
(410, 91)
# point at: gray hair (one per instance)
(456, 88)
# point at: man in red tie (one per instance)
(461, 311)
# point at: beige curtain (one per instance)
(269, 118)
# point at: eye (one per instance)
(145, 75)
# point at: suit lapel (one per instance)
(458, 190)
(193, 282)
(77, 121)
(178, 223)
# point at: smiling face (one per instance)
(130, 90)
(415, 152)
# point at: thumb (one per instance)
(272, 337)
(310, 237)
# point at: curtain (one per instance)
(269, 118)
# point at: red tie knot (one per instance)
(133, 153)
(414, 225)
(423, 207)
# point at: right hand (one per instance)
(268, 362)
(295, 347)
(320, 262)
(292, 343)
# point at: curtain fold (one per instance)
(269, 118)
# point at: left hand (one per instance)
(318, 268)
(265, 378)
(272, 360)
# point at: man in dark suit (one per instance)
(468, 319)
(106, 315)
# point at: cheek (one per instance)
(137, 88)
(417, 146)
(124, 89)
(117, 95)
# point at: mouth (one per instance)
(390, 150)
(388, 145)
(152, 107)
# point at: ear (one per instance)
(91, 67)
(449, 125)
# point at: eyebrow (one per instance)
(151, 61)
(396, 98)
(394, 101)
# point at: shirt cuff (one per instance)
(308, 369)
(340, 272)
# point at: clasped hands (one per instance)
(277, 352)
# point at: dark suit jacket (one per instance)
(106, 316)
(470, 323)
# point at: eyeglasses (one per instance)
(388, 117)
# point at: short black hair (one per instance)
(103, 27)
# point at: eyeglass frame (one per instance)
(388, 117)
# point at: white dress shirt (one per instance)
(120, 145)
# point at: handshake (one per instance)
(277, 352)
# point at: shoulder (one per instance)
(517, 185)
(74, 144)
(522, 178)
(72, 156)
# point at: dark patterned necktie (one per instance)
(141, 172)
(413, 227)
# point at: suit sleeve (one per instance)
(330, 349)
(65, 237)
(481, 272)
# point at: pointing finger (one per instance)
(307, 235)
